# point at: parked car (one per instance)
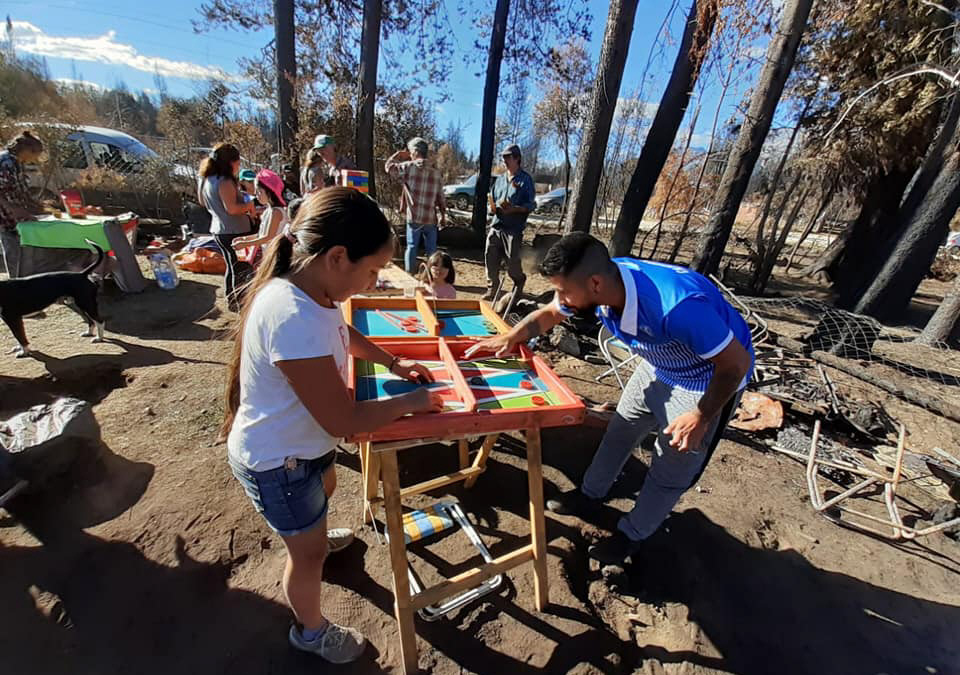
(87, 147)
(460, 196)
(551, 202)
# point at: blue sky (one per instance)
(108, 41)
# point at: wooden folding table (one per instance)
(379, 456)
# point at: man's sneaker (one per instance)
(338, 539)
(337, 644)
(573, 503)
(614, 550)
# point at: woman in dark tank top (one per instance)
(230, 215)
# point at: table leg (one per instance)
(464, 448)
(538, 530)
(371, 478)
(480, 461)
(398, 559)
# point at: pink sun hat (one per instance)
(272, 182)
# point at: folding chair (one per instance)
(609, 345)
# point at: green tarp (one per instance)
(53, 233)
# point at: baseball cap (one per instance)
(512, 149)
(418, 145)
(322, 141)
(246, 174)
(272, 182)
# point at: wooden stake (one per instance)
(398, 560)
(464, 448)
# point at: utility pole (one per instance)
(286, 59)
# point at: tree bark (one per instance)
(666, 123)
(367, 97)
(946, 320)
(286, 59)
(606, 90)
(491, 90)
(746, 150)
(892, 289)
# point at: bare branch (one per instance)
(924, 69)
(935, 5)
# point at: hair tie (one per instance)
(289, 234)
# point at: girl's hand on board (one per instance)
(413, 371)
(425, 401)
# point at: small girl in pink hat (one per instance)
(269, 192)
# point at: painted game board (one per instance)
(388, 322)
(419, 317)
(481, 395)
(454, 322)
(497, 384)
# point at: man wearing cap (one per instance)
(327, 171)
(512, 196)
(422, 198)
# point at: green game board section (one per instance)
(521, 402)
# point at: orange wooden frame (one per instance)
(426, 308)
(570, 411)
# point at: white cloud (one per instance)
(104, 48)
(69, 82)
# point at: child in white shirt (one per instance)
(288, 405)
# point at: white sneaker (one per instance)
(338, 539)
(337, 644)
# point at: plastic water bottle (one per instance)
(164, 270)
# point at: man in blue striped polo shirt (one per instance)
(696, 358)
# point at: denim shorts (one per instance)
(290, 498)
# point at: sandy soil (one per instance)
(149, 559)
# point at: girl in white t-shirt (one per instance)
(288, 405)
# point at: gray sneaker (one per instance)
(338, 644)
(338, 539)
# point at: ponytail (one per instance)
(336, 216)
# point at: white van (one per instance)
(86, 147)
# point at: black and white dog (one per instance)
(27, 295)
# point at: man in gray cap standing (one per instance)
(512, 196)
(422, 198)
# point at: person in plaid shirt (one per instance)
(16, 202)
(422, 198)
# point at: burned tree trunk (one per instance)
(663, 131)
(369, 57)
(746, 150)
(769, 260)
(901, 274)
(606, 90)
(491, 89)
(945, 322)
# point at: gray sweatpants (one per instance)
(501, 246)
(648, 403)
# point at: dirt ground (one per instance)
(150, 559)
